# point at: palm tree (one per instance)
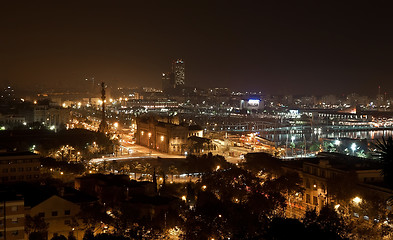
(385, 152)
(173, 170)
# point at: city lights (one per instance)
(357, 200)
(246, 120)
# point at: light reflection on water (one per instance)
(370, 135)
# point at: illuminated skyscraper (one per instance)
(178, 70)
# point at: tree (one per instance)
(327, 223)
(342, 187)
(197, 144)
(89, 235)
(71, 236)
(206, 163)
(36, 227)
(255, 162)
(385, 151)
(172, 171)
(59, 237)
(93, 215)
(315, 146)
(293, 227)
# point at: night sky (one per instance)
(277, 47)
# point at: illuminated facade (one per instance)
(251, 104)
(19, 167)
(178, 69)
(165, 137)
(51, 115)
(61, 214)
(12, 218)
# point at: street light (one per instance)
(292, 144)
(357, 200)
(149, 134)
(353, 148)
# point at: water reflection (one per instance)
(299, 136)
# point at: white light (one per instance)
(353, 146)
(253, 101)
(357, 200)
(337, 142)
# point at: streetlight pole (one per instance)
(149, 143)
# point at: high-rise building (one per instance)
(178, 70)
(168, 81)
(12, 216)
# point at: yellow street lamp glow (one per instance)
(184, 198)
(336, 206)
(204, 187)
(116, 124)
(357, 200)
(218, 167)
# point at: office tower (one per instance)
(178, 69)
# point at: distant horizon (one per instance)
(29, 91)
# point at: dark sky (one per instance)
(277, 47)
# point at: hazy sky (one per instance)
(306, 47)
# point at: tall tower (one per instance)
(103, 125)
(178, 69)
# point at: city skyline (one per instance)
(291, 48)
